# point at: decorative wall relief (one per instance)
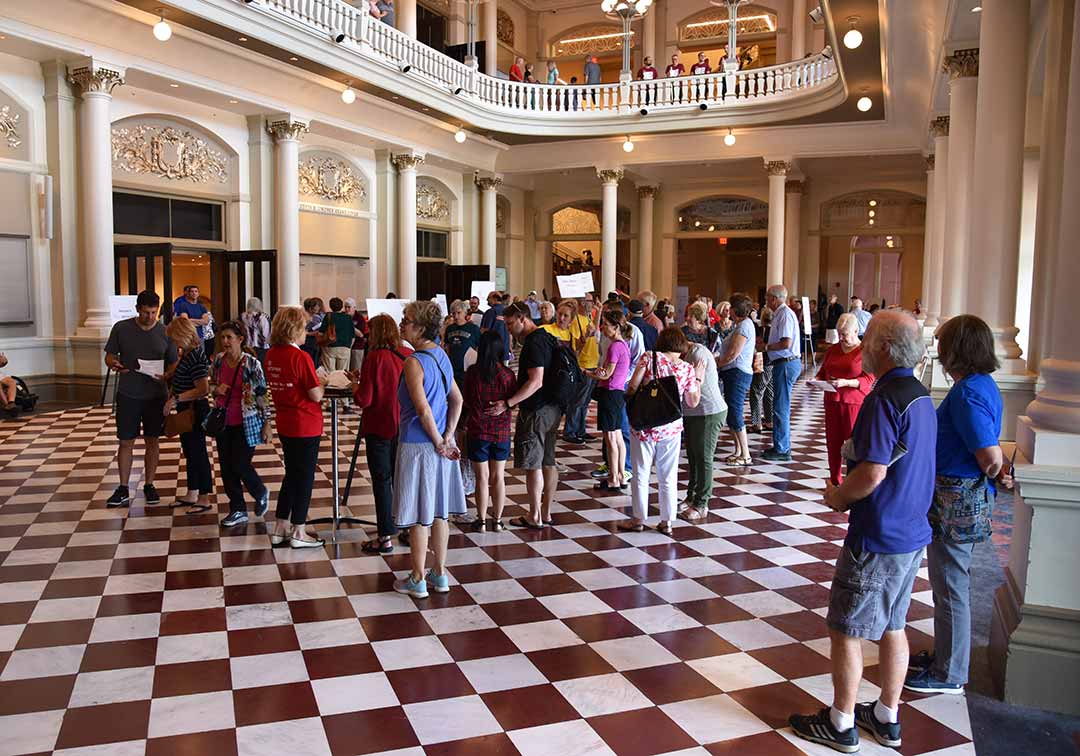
(331, 179)
(724, 214)
(169, 153)
(713, 23)
(431, 205)
(504, 28)
(589, 38)
(9, 127)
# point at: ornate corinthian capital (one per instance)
(647, 191)
(95, 77)
(962, 63)
(939, 126)
(407, 161)
(609, 175)
(777, 167)
(286, 129)
(488, 183)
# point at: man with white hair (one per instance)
(888, 492)
(784, 352)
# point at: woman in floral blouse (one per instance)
(660, 445)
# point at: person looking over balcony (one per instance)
(517, 71)
(648, 72)
(593, 75)
(701, 67)
(388, 17)
(374, 10)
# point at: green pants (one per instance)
(702, 433)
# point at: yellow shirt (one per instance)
(560, 333)
(589, 355)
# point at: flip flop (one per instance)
(377, 546)
(521, 522)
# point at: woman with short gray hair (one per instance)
(257, 324)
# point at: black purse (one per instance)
(657, 402)
(214, 422)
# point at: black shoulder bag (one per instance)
(657, 402)
(214, 424)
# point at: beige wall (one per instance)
(836, 268)
(333, 235)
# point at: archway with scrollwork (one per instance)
(586, 39)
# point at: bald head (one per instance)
(892, 340)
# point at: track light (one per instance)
(853, 38)
(864, 104)
(460, 136)
(458, 91)
(816, 15)
(729, 138)
(628, 145)
(162, 30)
(703, 106)
(248, 2)
(406, 68)
(338, 36)
(348, 95)
(644, 111)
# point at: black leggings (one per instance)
(381, 453)
(234, 461)
(294, 498)
(200, 476)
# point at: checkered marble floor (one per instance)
(152, 631)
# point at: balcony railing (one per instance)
(780, 92)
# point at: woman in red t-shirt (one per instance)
(843, 369)
(297, 394)
(375, 392)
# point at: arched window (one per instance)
(724, 214)
(588, 39)
(754, 22)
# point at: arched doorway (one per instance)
(576, 242)
(722, 241)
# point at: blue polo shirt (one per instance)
(969, 418)
(194, 310)
(896, 424)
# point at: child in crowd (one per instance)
(488, 436)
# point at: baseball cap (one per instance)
(635, 306)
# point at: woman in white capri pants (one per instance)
(660, 445)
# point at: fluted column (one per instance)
(406, 165)
(997, 183)
(406, 17)
(928, 236)
(96, 81)
(646, 195)
(774, 267)
(963, 68)
(793, 192)
(491, 37)
(798, 30)
(648, 34)
(610, 179)
(489, 192)
(934, 251)
(287, 132)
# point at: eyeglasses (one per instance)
(406, 321)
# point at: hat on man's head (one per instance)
(635, 307)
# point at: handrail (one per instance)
(381, 43)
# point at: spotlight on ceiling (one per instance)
(348, 95)
(729, 138)
(458, 91)
(628, 145)
(853, 37)
(406, 68)
(162, 30)
(703, 106)
(976, 9)
(338, 36)
(864, 104)
(816, 14)
(460, 136)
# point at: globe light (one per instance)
(607, 6)
(162, 30)
(628, 145)
(460, 136)
(864, 104)
(873, 203)
(348, 95)
(729, 139)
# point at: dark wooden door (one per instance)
(459, 279)
(430, 28)
(229, 281)
(139, 267)
(430, 279)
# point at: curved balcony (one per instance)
(347, 39)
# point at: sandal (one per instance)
(378, 546)
(664, 528)
(733, 459)
(521, 522)
(693, 514)
(496, 526)
(628, 526)
(743, 462)
(478, 526)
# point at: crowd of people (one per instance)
(440, 404)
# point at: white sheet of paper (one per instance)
(575, 284)
(395, 308)
(480, 290)
(152, 368)
(122, 307)
(807, 328)
(825, 386)
(441, 300)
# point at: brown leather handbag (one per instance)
(179, 422)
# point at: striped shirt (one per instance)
(192, 368)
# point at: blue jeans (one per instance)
(784, 375)
(736, 386)
(950, 578)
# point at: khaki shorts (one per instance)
(534, 437)
(871, 592)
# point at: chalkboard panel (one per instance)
(15, 280)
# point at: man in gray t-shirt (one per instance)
(136, 348)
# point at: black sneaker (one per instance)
(234, 519)
(817, 728)
(885, 733)
(120, 497)
(150, 494)
(262, 504)
(775, 456)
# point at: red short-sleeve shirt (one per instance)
(289, 374)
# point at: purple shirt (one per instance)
(897, 427)
(619, 353)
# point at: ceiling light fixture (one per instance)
(853, 37)
(162, 30)
(628, 145)
(729, 138)
(712, 228)
(872, 213)
(873, 203)
(348, 95)
(977, 9)
(460, 136)
(697, 224)
(871, 221)
(175, 86)
(233, 102)
(864, 104)
(242, 39)
(293, 58)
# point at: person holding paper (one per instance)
(140, 397)
(842, 368)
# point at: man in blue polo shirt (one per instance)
(888, 491)
(784, 351)
(189, 306)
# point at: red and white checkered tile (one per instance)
(150, 630)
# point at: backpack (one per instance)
(563, 380)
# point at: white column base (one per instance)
(97, 326)
(1017, 391)
(1035, 637)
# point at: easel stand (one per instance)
(809, 358)
(335, 396)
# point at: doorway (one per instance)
(876, 264)
(430, 28)
(717, 266)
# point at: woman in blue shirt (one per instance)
(969, 461)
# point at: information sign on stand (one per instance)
(395, 308)
(575, 285)
(808, 333)
(122, 307)
(441, 300)
(480, 290)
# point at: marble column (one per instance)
(406, 165)
(774, 268)
(928, 236)
(610, 179)
(406, 17)
(96, 81)
(491, 37)
(997, 181)
(646, 196)
(798, 29)
(489, 192)
(937, 211)
(793, 194)
(62, 156)
(648, 36)
(287, 132)
(963, 69)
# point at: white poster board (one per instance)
(806, 316)
(441, 300)
(480, 290)
(395, 308)
(500, 279)
(122, 307)
(575, 285)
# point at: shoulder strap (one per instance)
(438, 367)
